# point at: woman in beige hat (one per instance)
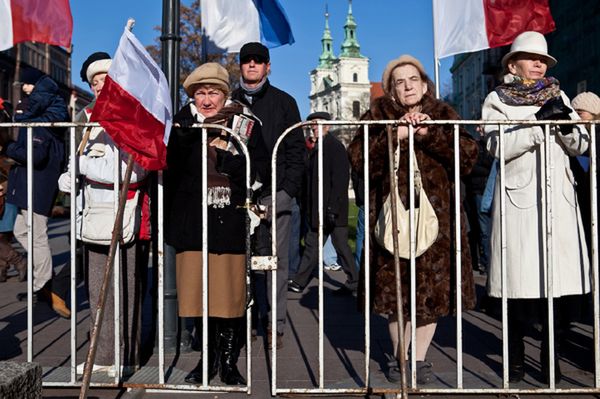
(409, 97)
(528, 94)
(208, 88)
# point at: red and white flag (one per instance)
(44, 21)
(134, 106)
(462, 26)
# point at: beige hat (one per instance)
(209, 73)
(96, 67)
(393, 64)
(587, 101)
(529, 42)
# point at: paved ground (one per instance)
(297, 361)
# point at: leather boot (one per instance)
(195, 376)
(56, 302)
(3, 273)
(230, 331)
(516, 352)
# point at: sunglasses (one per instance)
(256, 58)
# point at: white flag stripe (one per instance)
(136, 72)
(6, 26)
(459, 27)
(230, 24)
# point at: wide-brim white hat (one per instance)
(529, 42)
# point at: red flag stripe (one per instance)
(131, 125)
(45, 21)
(506, 19)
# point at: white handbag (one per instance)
(426, 222)
(98, 220)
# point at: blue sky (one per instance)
(386, 29)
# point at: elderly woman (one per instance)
(409, 97)
(529, 95)
(96, 165)
(208, 87)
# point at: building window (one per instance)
(356, 109)
(355, 77)
(351, 34)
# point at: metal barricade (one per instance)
(163, 378)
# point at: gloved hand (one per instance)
(330, 219)
(553, 109)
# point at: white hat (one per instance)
(529, 42)
(96, 67)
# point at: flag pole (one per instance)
(108, 268)
(436, 61)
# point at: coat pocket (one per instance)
(520, 189)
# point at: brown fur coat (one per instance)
(435, 273)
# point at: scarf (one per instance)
(250, 92)
(518, 91)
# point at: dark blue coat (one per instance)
(45, 105)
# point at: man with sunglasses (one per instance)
(277, 111)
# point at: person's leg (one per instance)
(485, 231)
(5, 249)
(294, 256)
(96, 256)
(230, 331)
(284, 207)
(42, 261)
(360, 235)
(339, 238)
(310, 258)
(330, 256)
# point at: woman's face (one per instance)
(209, 100)
(585, 115)
(528, 65)
(98, 83)
(409, 85)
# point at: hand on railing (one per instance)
(414, 118)
(555, 109)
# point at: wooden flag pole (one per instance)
(108, 267)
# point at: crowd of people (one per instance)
(259, 113)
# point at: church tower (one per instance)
(341, 85)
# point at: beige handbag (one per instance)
(426, 222)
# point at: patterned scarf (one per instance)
(518, 91)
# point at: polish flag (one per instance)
(462, 26)
(134, 106)
(44, 21)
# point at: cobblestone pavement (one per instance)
(297, 361)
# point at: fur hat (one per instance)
(319, 115)
(529, 42)
(209, 73)
(256, 50)
(98, 62)
(587, 101)
(393, 64)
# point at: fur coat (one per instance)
(435, 292)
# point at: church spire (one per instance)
(350, 46)
(326, 59)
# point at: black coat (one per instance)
(277, 111)
(45, 105)
(183, 195)
(476, 180)
(336, 175)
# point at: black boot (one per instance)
(195, 376)
(230, 332)
(545, 356)
(516, 352)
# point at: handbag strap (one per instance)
(418, 181)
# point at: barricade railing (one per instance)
(547, 227)
(270, 264)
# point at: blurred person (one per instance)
(208, 87)
(44, 104)
(277, 111)
(409, 96)
(528, 94)
(95, 173)
(336, 176)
